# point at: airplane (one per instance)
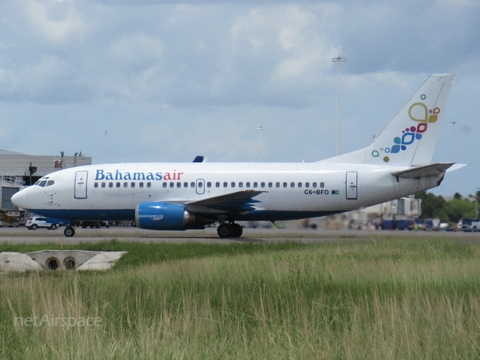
(181, 196)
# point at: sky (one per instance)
(146, 80)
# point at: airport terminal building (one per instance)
(18, 170)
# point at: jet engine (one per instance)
(167, 216)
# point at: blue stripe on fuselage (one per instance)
(129, 214)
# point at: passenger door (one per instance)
(351, 185)
(80, 191)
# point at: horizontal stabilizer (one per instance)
(456, 167)
(423, 171)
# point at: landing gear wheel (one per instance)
(224, 230)
(237, 230)
(69, 231)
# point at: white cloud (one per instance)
(57, 20)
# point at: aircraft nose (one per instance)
(20, 199)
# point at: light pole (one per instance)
(106, 132)
(261, 129)
(338, 60)
(454, 124)
(476, 203)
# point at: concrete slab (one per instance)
(17, 262)
(62, 259)
(102, 261)
(58, 260)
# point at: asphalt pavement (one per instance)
(21, 235)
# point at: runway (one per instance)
(22, 235)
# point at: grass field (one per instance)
(392, 298)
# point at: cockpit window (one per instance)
(50, 182)
(42, 183)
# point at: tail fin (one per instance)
(411, 136)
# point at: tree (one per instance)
(433, 206)
(452, 211)
(460, 208)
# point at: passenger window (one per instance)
(314, 184)
(217, 184)
(285, 184)
(132, 185)
(192, 184)
(164, 184)
(225, 184)
(141, 184)
(95, 185)
(110, 184)
(200, 184)
(172, 184)
(255, 184)
(299, 184)
(247, 184)
(103, 184)
(125, 184)
(240, 184)
(322, 184)
(209, 184)
(179, 184)
(277, 184)
(149, 185)
(270, 184)
(292, 184)
(262, 184)
(118, 184)
(185, 184)
(307, 184)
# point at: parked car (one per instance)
(39, 222)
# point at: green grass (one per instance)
(377, 299)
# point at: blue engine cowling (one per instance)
(163, 216)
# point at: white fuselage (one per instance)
(289, 190)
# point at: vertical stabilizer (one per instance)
(411, 136)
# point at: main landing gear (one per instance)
(226, 230)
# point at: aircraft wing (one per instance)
(233, 202)
(423, 171)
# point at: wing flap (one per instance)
(237, 201)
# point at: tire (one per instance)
(69, 231)
(224, 230)
(33, 227)
(53, 227)
(237, 230)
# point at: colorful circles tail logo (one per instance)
(420, 113)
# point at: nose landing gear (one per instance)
(69, 231)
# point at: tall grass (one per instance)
(379, 299)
